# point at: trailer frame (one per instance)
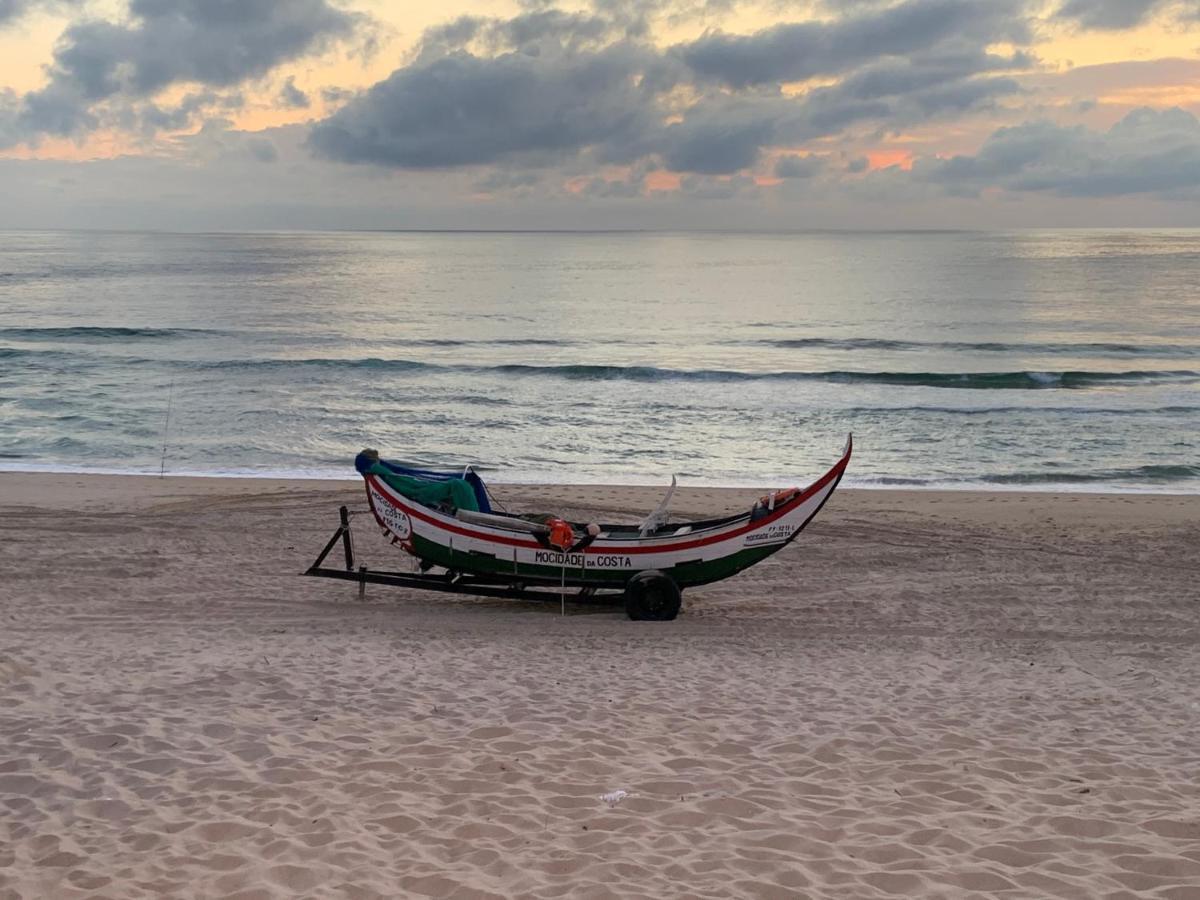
(448, 581)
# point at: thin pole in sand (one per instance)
(162, 466)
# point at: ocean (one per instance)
(1028, 359)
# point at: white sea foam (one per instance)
(1046, 377)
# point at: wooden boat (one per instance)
(445, 520)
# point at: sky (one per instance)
(713, 114)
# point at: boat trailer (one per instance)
(449, 581)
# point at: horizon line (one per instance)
(609, 230)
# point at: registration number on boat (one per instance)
(770, 534)
(582, 560)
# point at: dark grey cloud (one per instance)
(10, 112)
(59, 108)
(957, 97)
(571, 29)
(466, 110)
(212, 42)
(335, 96)
(803, 50)
(262, 150)
(1110, 15)
(292, 97)
(216, 43)
(1147, 152)
(526, 32)
(503, 180)
(12, 10)
(725, 133)
(927, 72)
(795, 166)
(714, 145)
(706, 187)
(457, 34)
(614, 188)
(903, 92)
(149, 118)
(557, 84)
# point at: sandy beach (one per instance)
(929, 694)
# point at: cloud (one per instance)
(215, 43)
(463, 109)
(150, 118)
(1111, 15)
(58, 108)
(795, 166)
(526, 30)
(614, 188)
(12, 10)
(10, 112)
(335, 96)
(803, 50)
(291, 96)
(502, 180)
(706, 187)
(723, 135)
(1147, 152)
(262, 150)
(219, 144)
(220, 184)
(1127, 77)
(928, 74)
(726, 133)
(556, 107)
(554, 85)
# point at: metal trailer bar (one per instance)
(342, 532)
(450, 582)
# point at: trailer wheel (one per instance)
(652, 596)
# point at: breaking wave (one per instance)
(1013, 380)
(1154, 474)
(577, 372)
(1086, 348)
(1148, 476)
(959, 380)
(487, 342)
(1022, 410)
(102, 333)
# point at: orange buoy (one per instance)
(562, 535)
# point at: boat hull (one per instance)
(697, 557)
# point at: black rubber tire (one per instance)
(652, 596)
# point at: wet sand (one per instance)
(928, 694)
